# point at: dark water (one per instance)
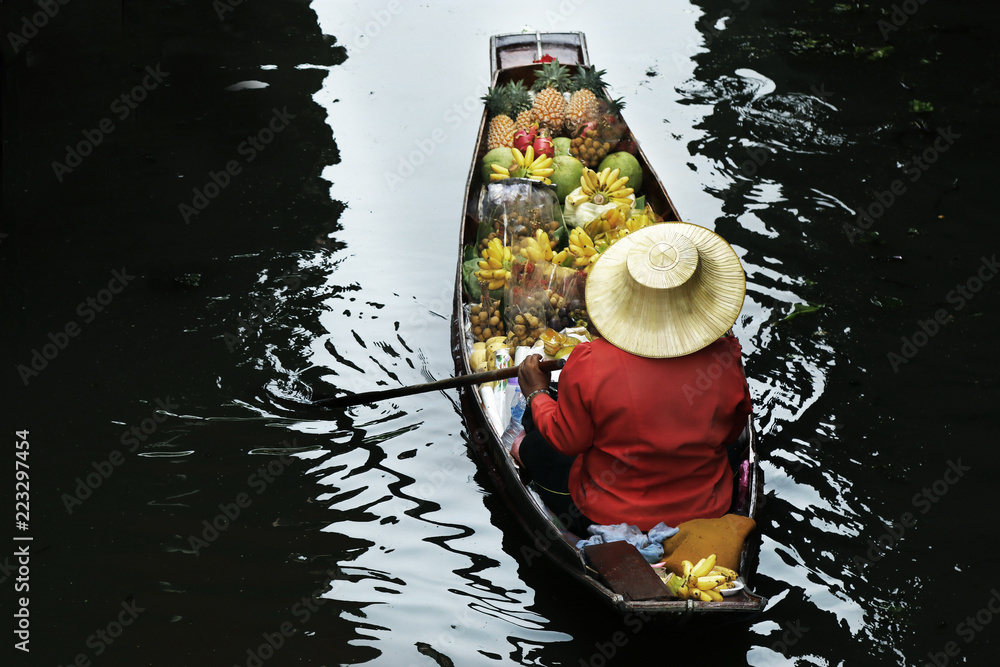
(179, 517)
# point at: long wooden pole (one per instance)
(449, 383)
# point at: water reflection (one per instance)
(429, 564)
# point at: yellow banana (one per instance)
(701, 595)
(713, 596)
(500, 170)
(704, 566)
(495, 263)
(686, 567)
(620, 183)
(498, 177)
(602, 178)
(709, 582)
(731, 574)
(518, 156)
(612, 177)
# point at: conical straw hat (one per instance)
(666, 290)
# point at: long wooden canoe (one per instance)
(514, 57)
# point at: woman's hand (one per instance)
(530, 377)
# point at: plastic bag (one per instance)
(565, 296)
(515, 208)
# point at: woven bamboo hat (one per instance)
(666, 290)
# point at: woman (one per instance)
(644, 414)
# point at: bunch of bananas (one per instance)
(536, 248)
(581, 248)
(703, 581)
(525, 165)
(609, 221)
(494, 267)
(600, 189)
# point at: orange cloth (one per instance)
(699, 538)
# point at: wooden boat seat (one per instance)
(625, 571)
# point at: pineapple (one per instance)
(503, 104)
(518, 98)
(550, 105)
(501, 132)
(583, 104)
(582, 108)
(524, 120)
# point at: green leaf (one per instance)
(802, 309)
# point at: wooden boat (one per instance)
(513, 57)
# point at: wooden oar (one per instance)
(449, 383)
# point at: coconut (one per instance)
(628, 166)
(501, 156)
(562, 145)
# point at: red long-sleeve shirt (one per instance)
(650, 434)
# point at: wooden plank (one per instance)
(625, 571)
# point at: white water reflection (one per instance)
(404, 111)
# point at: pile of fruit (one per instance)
(705, 581)
(526, 272)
